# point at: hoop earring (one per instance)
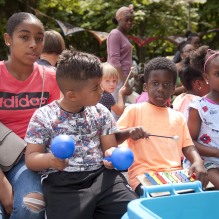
(199, 88)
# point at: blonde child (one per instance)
(109, 83)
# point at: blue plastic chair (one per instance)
(199, 204)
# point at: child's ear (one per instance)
(7, 39)
(198, 84)
(206, 77)
(71, 95)
(145, 87)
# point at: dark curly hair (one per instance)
(74, 66)
(198, 58)
(188, 74)
(160, 63)
(16, 19)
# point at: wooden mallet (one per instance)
(132, 68)
(176, 138)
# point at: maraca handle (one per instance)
(107, 158)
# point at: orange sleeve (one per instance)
(187, 140)
(126, 120)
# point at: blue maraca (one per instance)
(62, 146)
(121, 158)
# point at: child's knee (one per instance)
(34, 201)
(213, 175)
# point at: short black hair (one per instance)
(199, 56)
(180, 44)
(74, 66)
(188, 74)
(182, 47)
(187, 33)
(115, 21)
(16, 19)
(160, 63)
(191, 35)
(141, 78)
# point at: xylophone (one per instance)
(160, 178)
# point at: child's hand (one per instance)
(138, 133)
(200, 172)
(58, 164)
(128, 89)
(122, 90)
(108, 153)
(6, 195)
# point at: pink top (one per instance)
(119, 51)
(182, 102)
(142, 98)
(20, 99)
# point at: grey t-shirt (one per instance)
(84, 127)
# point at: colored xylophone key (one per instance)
(151, 179)
(165, 177)
(179, 177)
(170, 177)
(184, 176)
(175, 177)
(160, 178)
(155, 178)
(187, 175)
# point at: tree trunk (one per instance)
(141, 50)
(97, 48)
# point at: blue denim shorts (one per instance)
(209, 166)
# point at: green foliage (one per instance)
(7, 8)
(209, 19)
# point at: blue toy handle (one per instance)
(107, 158)
(197, 186)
